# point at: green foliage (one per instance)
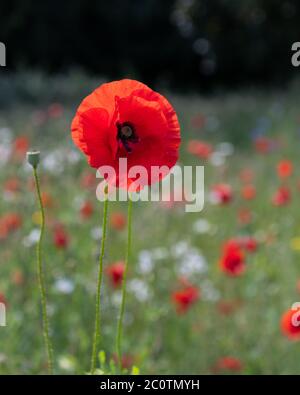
(188, 44)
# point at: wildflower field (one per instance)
(209, 292)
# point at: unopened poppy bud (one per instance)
(33, 158)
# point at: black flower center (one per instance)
(126, 131)
(126, 135)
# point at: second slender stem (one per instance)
(41, 277)
(98, 296)
(122, 308)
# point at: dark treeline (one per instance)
(183, 43)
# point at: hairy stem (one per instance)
(98, 296)
(122, 307)
(41, 281)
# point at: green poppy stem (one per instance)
(40, 273)
(122, 308)
(98, 296)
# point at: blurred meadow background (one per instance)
(226, 68)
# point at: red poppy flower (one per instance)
(185, 298)
(290, 324)
(284, 168)
(115, 273)
(222, 193)
(200, 149)
(248, 192)
(61, 238)
(118, 220)
(126, 119)
(86, 210)
(282, 196)
(233, 260)
(228, 364)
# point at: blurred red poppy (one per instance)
(290, 324)
(12, 185)
(263, 145)
(3, 298)
(3, 230)
(222, 193)
(9, 222)
(127, 119)
(86, 210)
(232, 261)
(13, 221)
(118, 220)
(282, 196)
(21, 144)
(185, 298)
(227, 307)
(127, 361)
(248, 192)
(61, 238)
(115, 273)
(20, 147)
(88, 180)
(228, 364)
(249, 243)
(17, 277)
(200, 149)
(47, 199)
(284, 168)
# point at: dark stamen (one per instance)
(126, 131)
(126, 135)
